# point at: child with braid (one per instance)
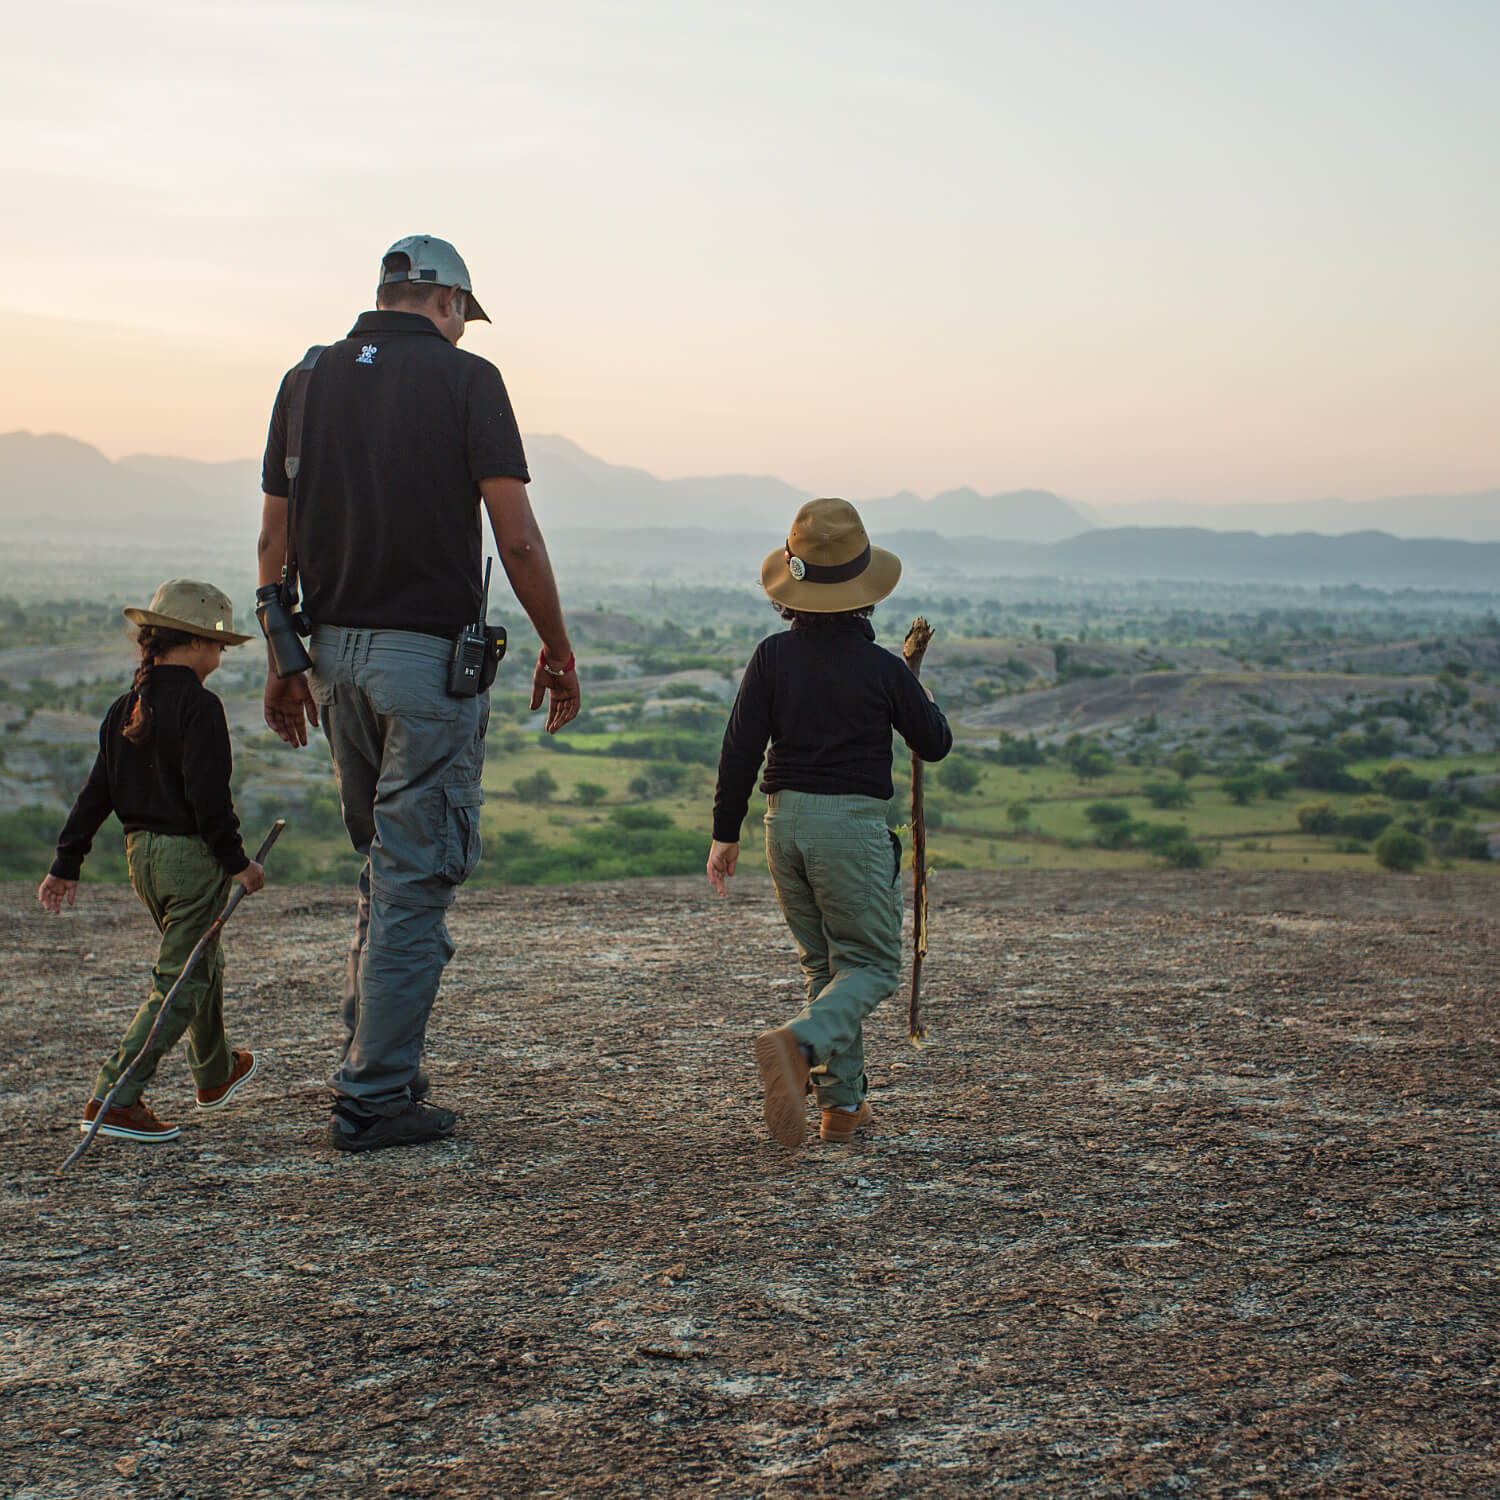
(163, 768)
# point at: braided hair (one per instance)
(153, 641)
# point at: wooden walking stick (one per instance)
(914, 648)
(235, 897)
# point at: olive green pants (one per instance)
(837, 871)
(184, 888)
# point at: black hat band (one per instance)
(817, 573)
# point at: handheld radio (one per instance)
(477, 650)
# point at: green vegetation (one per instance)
(1251, 784)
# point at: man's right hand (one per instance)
(252, 877)
(290, 706)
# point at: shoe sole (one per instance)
(784, 1080)
(856, 1124)
(371, 1138)
(124, 1133)
(356, 1145)
(233, 1088)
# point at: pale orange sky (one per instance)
(1119, 253)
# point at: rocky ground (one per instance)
(1193, 1193)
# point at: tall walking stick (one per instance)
(914, 648)
(235, 897)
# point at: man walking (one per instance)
(404, 437)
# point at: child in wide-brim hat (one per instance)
(825, 698)
(163, 769)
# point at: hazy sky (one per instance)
(1209, 250)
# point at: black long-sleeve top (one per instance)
(826, 697)
(177, 782)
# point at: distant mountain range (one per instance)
(55, 488)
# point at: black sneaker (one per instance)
(421, 1086)
(414, 1126)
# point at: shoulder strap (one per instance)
(296, 412)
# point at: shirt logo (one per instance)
(367, 355)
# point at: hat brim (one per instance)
(473, 312)
(168, 622)
(878, 579)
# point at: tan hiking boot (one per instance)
(839, 1125)
(783, 1076)
(244, 1068)
(130, 1122)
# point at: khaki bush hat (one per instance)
(434, 261)
(198, 608)
(828, 563)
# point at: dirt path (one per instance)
(1193, 1194)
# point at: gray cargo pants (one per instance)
(408, 759)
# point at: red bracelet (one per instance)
(551, 671)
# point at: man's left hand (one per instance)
(289, 706)
(567, 696)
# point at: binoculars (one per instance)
(283, 628)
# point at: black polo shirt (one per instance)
(400, 427)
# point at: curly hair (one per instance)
(815, 617)
(153, 641)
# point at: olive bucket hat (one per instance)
(828, 563)
(198, 608)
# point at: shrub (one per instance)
(1089, 762)
(1184, 855)
(1467, 842)
(1019, 814)
(1187, 763)
(538, 787)
(1157, 838)
(1265, 737)
(1276, 784)
(959, 775)
(1107, 814)
(1241, 789)
(660, 779)
(632, 842)
(1167, 794)
(589, 793)
(1396, 849)
(1320, 768)
(1014, 752)
(1365, 820)
(1317, 817)
(1112, 822)
(1400, 781)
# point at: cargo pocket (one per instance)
(461, 845)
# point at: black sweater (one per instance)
(177, 782)
(827, 698)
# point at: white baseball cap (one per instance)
(434, 261)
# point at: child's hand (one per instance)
(252, 877)
(722, 859)
(52, 893)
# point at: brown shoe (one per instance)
(783, 1076)
(244, 1067)
(130, 1122)
(839, 1125)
